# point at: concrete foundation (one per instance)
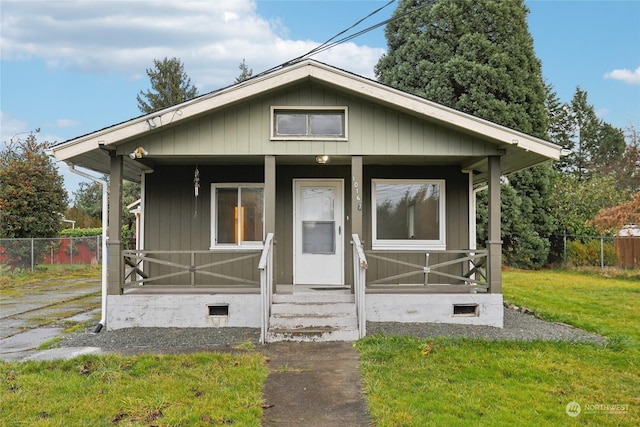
(461, 309)
(202, 310)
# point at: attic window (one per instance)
(309, 123)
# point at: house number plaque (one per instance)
(356, 190)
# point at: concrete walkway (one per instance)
(313, 384)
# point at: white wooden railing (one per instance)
(359, 282)
(266, 285)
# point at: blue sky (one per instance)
(73, 67)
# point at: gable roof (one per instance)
(519, 150)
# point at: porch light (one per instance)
(138, 153)
(321, 160)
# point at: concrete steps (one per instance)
(313, 317)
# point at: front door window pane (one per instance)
(318, 220)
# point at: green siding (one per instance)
(245, 129)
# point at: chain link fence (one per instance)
(570, 251)
(597, 251)
(27, 254)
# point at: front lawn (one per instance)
(146, 390)
(439, 381)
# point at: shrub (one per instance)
(582, 254)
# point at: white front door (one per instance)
(318, 241)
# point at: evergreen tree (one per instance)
(472, 55)
(584, 132)
(245, 72)
(170, 85)
(477, 56)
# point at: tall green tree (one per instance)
(32, 194)
(477, 56)
(170, 85)
(32, 199)
(584, 133)
(472, 55)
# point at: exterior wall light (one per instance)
(138, 153)
(321, 160)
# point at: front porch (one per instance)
(219, 289)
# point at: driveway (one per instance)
(33, 314)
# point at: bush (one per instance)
(80, 232)
(581, 254)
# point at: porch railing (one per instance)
(266, 285)
(359, 281)
(470, 262)
(136, 274)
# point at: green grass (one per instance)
(588, 300)
(439, 381)
(194, 389)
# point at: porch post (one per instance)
(270, 209)
(356, 196)
(269, 194)
(115, 269)
(494, 244)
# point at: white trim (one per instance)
(407, 244)
(308, 109)
(241, 245)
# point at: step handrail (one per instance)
(359, 279)
(266, 286)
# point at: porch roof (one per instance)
(518, 150)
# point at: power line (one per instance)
(330, 43)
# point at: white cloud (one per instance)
(124, 37)
(627, 76)
(10, 127)
(65, 123)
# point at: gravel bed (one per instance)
(517, 326)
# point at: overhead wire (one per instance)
(330, 43)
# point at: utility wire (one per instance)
(330, 43)
(324, 45)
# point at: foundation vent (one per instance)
(466, 310)
(218, 310)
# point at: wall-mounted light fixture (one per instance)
(322, 160)
(138, 153)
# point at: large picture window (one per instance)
(237, 215)
(309, 123)
(408, 214)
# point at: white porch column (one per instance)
(115, 270)
(494, 244)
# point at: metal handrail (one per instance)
(359, 282)
(266, 286)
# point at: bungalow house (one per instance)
(305, 201)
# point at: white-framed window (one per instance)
(302, 123)
(408, 214)
(237, 216)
